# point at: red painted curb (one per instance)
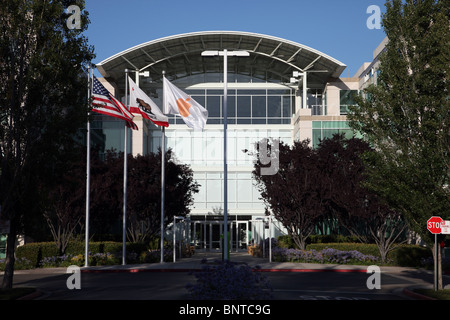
(310, 270)
(138, 270)
(416, 295)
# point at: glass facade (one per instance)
(108, 133)
(203, 151)
(2, 246)
(326, 129)
(257, 109)
(347, 98)
(244, 106)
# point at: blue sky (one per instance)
(334, 27)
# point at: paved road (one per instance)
(168, 281)
(171, 286)
(154, 288)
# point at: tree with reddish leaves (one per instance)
(293, 193)
(144, 194)
(363, 213)
(314, 185)
(65, 203)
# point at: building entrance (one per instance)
(207, 235)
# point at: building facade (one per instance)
(282, 90)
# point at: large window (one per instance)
(326, 129)
(242, 193)
(108, 133)
(246, 106)
(347, 98)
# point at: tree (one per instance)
(42, 105)
(64, 208)
(405, 117)
(293, 193)
(358, 209)
(144, 193)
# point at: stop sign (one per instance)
(434, 225)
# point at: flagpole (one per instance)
(88, 171)
(125, 163)
(163, 173)
(225, 167)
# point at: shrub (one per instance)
(286, 242)
(229, 281)
(364, 248)
(102, 259)
(409, 255)
(46, 253)
(56, 261)
(154, 255)
(428, 263)
(35, 252)
(20, 264)
(326, 255)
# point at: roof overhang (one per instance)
(180, 56)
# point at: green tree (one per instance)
(42, 104)
(406, 115)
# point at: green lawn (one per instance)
(440, 294)
(15, 293)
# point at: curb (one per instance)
(416, 295)
(31, 296)
(137, 270)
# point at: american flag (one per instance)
(105, 103)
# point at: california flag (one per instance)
(141, 104)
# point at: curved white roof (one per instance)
(180, 56)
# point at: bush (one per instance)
(286, 242)
(229, 281)
(45, 254)
(20, 264)
(331, 238)
(326, 255)
(364, 248)
(35, 252)
(409, 255)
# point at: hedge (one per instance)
(405, 255)
(36, 251)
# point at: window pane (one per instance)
(231, 106)
(317, 124)
(274, 106)
(200, 99)
(346, 97)
(287, 106)
(278, 92)
(316, 136)
(258, 120)
(328, 133)
(259, 106)
(213, 106)
(243, 106)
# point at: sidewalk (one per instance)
(201, 259)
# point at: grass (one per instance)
(15, 293)
(440, 294)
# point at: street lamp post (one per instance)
(225, 53)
